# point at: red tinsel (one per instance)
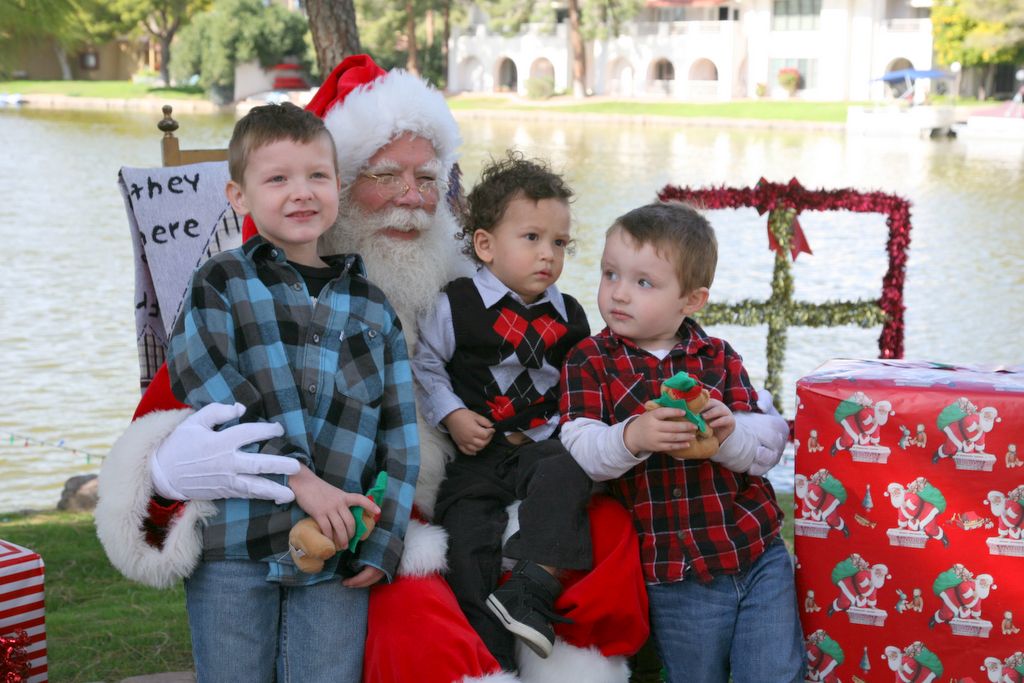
(766, 196)
(14, 661)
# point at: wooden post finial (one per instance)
(167, 124)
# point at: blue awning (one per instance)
(913, 75)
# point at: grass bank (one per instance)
(99, 625)
(755, 110)
(102, 627)
(751, 110)
(124, 90)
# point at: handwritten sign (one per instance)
(178, 217)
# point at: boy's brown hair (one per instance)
(501, 181)
(680, 234)
(269, 123)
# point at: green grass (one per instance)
(111, 89)
(102, 627)
(99, 625)
(764, 110)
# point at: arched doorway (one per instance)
(620, 78)
(508, 79)
(471, 75)
(702, 80)
(900, 88)
(542, 68)
(660, 76)
(703, 70)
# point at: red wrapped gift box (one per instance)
(908, 521)
(21, 603)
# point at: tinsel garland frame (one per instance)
(783, 203)
(14, 661)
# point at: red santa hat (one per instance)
(365, 108)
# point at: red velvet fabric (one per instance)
(416, 632)
(608, 605)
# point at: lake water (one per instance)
(68, 364)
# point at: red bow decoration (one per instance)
(787, 196)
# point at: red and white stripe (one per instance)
(21, 603)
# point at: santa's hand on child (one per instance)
(199, 462)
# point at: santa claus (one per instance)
(155, 483)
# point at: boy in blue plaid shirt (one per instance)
(309, 344)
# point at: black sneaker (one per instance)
(523, 604)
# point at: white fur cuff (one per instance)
(125, 486)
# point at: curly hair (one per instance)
(501, 181)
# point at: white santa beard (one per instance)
(410, 272)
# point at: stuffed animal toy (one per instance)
(310, 548)
(684, 391)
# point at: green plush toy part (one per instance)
(376, 493)
(676, 391)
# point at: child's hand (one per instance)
(328, 505)
(364, 579)
(720, 418)
(659, 430)
(470, 431)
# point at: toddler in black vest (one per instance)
(487, 366)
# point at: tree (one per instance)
(161, 19)
(335, 32)
(68, 25)
(236, 31)
(979, 33)
(402, 33)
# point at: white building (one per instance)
(710, 50)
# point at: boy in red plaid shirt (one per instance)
(720, 581)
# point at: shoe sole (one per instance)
(530, 636)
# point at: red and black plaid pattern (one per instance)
(691, 515)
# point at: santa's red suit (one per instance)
(416, 632)
(822, 506)
(918, 514)
(857, 590)
(821, 665)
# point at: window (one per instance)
(795, 15)
(808, 69)
(89, 60)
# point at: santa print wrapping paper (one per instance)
(908, 522)
(21, 604)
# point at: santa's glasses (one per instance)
(390, 186)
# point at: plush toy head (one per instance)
(683, 391)
(310, 548)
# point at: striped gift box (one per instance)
(21, 603)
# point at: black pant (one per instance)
(554, 528)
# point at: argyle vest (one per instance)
(502, 352)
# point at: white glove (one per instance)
(197, 463)
(772, 433)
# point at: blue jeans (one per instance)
(745, 625)
(247, 628)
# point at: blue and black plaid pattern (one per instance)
(690, 515)
(334, 373)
